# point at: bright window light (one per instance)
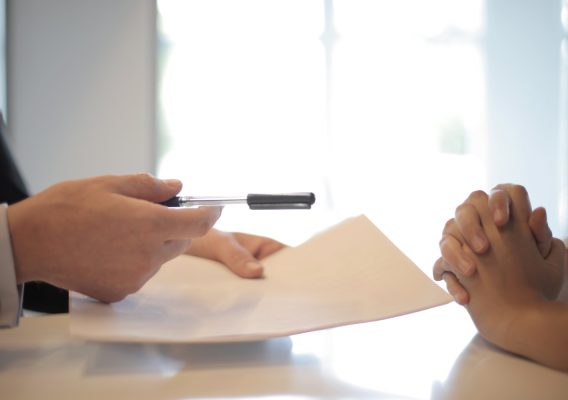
(393, 109)
(377, 107)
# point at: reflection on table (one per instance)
(431, 354)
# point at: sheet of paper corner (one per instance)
(350, 273)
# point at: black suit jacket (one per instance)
(38, 296)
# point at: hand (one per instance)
(466, 228)
(240, 252)
(508, 282)
(104, 236)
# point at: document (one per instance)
(350, 273)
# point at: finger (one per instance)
(468, 222)
(520, 205)
(499, 204)
(480, 201)
(144, 186)
(439, 269)
(541, 231)
(551, 279)
(260, 246)
(240, 260)
(557, 252)
(458, 292)
(455, 257)
(269, 248)
(187, 223)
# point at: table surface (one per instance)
(432, 354)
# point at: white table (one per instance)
(431, 354)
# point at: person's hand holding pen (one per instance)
(240, 252)
(103, 236)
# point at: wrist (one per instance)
(534, 331)
(511, 328)
(20, 241)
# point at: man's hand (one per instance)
(104, 236)
(240, 252)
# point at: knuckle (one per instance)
(518, 191)
(498, 199)
(443, 242)
(438, 269)
(446, 249)
(449, 223)
(501, 187)
(145, 178)
(446, 245)
(459, 209)
(478, 195)
(464, 210)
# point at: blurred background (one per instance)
(392, 109)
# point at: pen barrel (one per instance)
(203, 201)
(303, 200)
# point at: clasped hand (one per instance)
(499, 259)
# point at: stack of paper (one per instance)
(348, 274)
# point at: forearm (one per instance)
(541, 334)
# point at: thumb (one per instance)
(557, 252)
(146, 187)
(240, 261)
(541, 231)
(552, 280)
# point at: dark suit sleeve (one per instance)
(38, 296)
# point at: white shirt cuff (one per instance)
(10, 292)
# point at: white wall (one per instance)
(81, 87)
(523, 59)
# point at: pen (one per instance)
(283, 201)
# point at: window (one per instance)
(383, 108)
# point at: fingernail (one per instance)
(478, 243)
(253, 266)
(498, 216)
(459, 299)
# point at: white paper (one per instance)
(350, 273)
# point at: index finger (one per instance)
(499, 204)
(519, 202)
